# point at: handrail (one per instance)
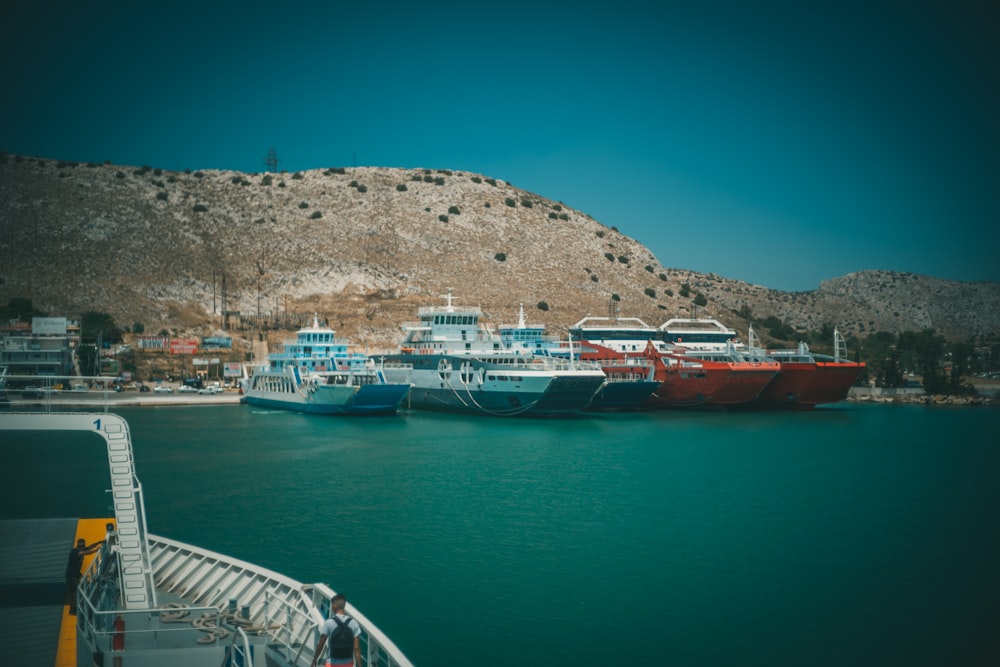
(377, 648)
(243, 647)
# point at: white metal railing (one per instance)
(43, 388)
(377, 650)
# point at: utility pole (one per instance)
(223, 301)
(260, 274)
(271, 160)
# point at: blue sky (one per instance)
(781, 143)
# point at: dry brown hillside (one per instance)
(366, 246)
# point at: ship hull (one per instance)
(618, 396)
(830, 383)
(469, 385)
(631, 379)
(746, 382)
(787, 387)
(688, 382)
(285, 391)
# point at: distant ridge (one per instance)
(366, 246)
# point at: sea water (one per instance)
(850, 535)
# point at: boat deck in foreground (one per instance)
(145, 600)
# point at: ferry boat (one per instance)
(830, 378)
(456, 363)
(804, 379)
(145, 600)
(630, 379)
(315, 373)
(685, 381)
(709, 340)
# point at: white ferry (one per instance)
(456, 363)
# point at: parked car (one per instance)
(186, 389)
(163, 389)
(211, 390)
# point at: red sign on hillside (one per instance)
(183, 346)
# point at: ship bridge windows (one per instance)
(689, 337)
(453, 319)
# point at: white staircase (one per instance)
(132, 546)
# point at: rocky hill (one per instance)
(365, 247)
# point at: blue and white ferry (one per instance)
(630, 380)
(316, 373)
(456, 363)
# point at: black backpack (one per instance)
(341, 639)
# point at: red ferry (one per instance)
(685, 381)
(804, 379)
(688, 382)
(829, 378)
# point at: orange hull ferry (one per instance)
(689, 382)
(703, 364)
(829, 379)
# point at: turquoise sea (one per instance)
(850, 535)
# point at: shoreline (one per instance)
(921, 399)
(135, 399)
(126, 399)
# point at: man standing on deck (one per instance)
(342, 631)
(74, 569)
